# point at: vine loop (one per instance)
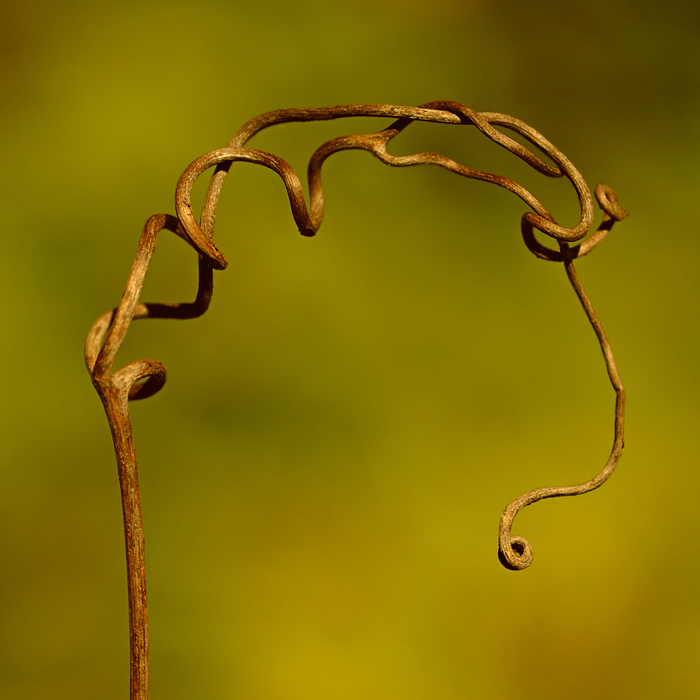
(144, 378)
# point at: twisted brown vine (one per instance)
(144, 378)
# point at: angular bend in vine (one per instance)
(140, 379)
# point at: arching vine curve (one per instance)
(144, 378)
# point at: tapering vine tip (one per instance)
(515, 553)
(607, 200)
(308, 231)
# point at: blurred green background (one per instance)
(324, 472)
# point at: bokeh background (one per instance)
(324, 472)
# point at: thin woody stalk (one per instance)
(144, 378)
(117, 409)
(136, 380)
(515, 553)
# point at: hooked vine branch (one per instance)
(140, 379)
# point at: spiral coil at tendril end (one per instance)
(515, 553)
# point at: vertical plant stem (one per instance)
(115, 399)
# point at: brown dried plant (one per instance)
(144, 378)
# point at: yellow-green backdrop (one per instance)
(323, 473)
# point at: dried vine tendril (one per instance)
(144, 378)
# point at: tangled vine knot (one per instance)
(144, 378)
